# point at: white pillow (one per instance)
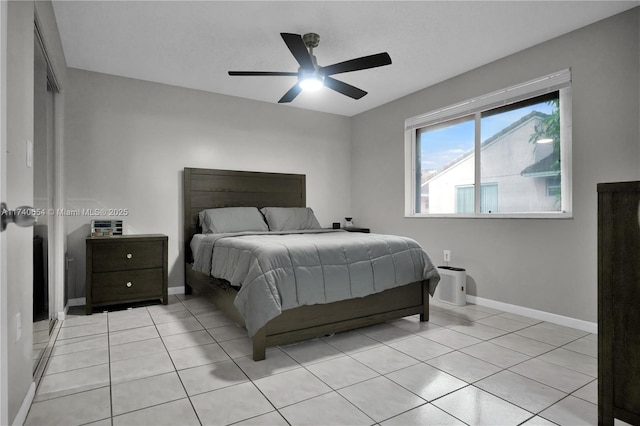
(290, 218)
(231, 219)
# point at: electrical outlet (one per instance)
(18, 326)
(447, 255)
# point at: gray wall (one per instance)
(549, 265)
(127, 142)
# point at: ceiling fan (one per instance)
(312, 76)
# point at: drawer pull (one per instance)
(129, 284)
(129, 255)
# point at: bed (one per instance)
(210, 188)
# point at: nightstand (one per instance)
(356, 229)
(125, 269)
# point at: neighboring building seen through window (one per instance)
(520, 148)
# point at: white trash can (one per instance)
(452, 286)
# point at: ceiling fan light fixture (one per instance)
(310, 79)
(311, 83)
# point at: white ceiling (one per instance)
(194, 44)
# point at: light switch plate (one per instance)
(29, 153)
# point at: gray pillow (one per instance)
(290, 218)
(231, 219)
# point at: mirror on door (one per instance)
(43, 172)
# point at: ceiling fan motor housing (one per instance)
(311, 40)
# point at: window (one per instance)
(554, 188)
(506, 154)
(465, 198)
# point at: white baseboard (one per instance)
(590, 327)
(176, 290)
(21, 417)
(62, 315)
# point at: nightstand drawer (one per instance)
(122, 286)
(119, 256)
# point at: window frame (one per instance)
(559, 81)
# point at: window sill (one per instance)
(563, 215)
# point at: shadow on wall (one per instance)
(76, 250)
(472, 288)
(176, 272)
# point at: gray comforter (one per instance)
(279, 271)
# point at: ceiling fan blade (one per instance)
(363, 63)
(291, 94)
(298, 49)
(344, 88)
(258, 73)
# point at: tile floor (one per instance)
(186, 364)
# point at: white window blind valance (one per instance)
(539, 86)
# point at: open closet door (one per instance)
(44, 91)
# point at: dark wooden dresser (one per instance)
(125, 269)
(619, 302)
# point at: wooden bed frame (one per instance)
(208, 188)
